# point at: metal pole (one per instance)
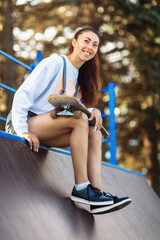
(112, 123)
(38, 59)
(15, 60)
(7, 88)
(30, 68)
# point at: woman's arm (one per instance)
(31, 89)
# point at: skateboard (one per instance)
(70, 106)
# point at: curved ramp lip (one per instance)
(17, 138)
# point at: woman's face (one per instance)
(86, 45)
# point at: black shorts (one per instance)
(9, 126)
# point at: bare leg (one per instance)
(62, 132)
(94, 158)
(79, 151)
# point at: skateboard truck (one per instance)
(64, 113)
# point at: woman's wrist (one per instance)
(97, 110)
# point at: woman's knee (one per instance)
(83, 121)
(95, 136)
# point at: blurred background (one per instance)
(129, 56)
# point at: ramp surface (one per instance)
(35, 204)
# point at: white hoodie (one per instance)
(32, 95)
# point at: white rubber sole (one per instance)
(84, 201)
(111, 208)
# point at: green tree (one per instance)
(8, 69)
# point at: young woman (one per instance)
(31, 118)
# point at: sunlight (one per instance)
(50, 33)
(108, 47)
(133, 1)
(32, 2)
(21, 2)
(59, 40)
(23, 35)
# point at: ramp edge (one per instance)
(58, 150)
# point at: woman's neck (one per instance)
(77, 63)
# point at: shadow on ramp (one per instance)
(35, 204)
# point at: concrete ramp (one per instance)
(35, 204)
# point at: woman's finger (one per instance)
(98, 124)
(32, 140)
(28, 138)
(36, 144)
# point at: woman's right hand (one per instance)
(32, 139)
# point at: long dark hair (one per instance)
(88, 77)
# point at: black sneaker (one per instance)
(92, 196)
(118, 204)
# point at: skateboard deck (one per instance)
(66, 105)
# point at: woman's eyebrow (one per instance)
(90, 40)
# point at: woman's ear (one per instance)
(73, 42)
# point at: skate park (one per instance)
(35, 203)
(36, 186)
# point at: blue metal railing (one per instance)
(30, 68)
(15, 60)
(112, 122)
(111, 104)
(7, 88)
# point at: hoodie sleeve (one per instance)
(32, 88)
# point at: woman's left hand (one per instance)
(97, 116)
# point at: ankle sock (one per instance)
(82, 185)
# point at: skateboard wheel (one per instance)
(53, 114)
(77, 114)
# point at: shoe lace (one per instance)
(107, 193)
(95, 190)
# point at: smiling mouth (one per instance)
(87, 53)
